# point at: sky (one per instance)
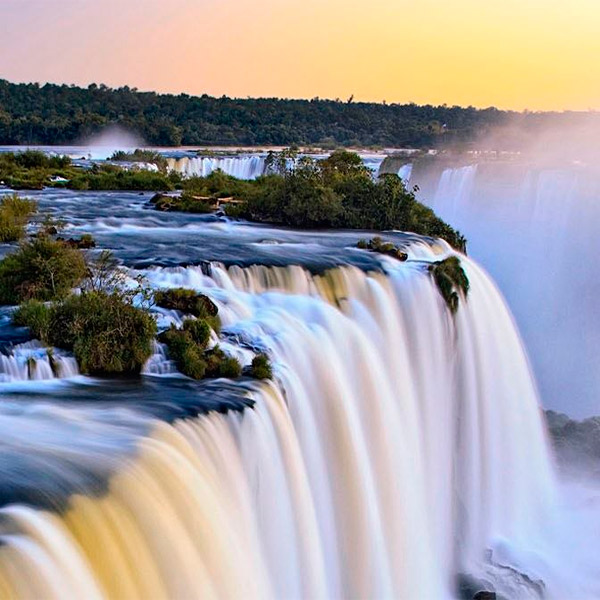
(516, 54)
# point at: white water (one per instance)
(535, 229)
(242, 167)
(404, 172)
(397, 445)
(31, 361)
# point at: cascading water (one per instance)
(242, 167)
(534, 228)
(32, 361)
(396, 446)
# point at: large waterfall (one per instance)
(534, 227)
(397, 447)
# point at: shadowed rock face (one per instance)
(577, 443)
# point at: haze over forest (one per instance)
(63, 114)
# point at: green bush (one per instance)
(14, 214)
(199, 331)
(140, 155)
(451, 280)
(41, 269)
(105, 332)
(187, 347)
(261, 367)
(36, 316)
(297, 191)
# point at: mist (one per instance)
(531, 218)
(112, 138)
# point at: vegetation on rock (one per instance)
(451, 280)
(141, 156)
(377, 244)
(35, 170)
(188, 348)
(189, 302)
(337, 192)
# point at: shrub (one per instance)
(14, 214)
(106, 333)
(140, 155)
(261, 367)
(36, 316)
(199, 331)
(187, 347)
(41, 269)
(451, 281)
(230, 367)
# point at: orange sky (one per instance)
(536, 54)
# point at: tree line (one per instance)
(62, 114)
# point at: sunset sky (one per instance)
(536, 54)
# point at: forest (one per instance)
(64, 114)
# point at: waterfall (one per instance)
(405, 171)
(242, 167)
(454, 189)
(32, 361)
(396, 446)
(534, 228)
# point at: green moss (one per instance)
(451, 280)
(41, 269)
(261, 367)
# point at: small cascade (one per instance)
(159, 363)
(242, 167)
(32, 361)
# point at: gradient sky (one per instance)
(536, 54)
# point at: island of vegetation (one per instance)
(106, 323)
(298, 191)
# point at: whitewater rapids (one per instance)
(397, 447)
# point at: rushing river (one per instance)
(399, 452)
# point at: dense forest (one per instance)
(61, 114)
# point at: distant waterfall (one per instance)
(454, 189)
(242, 167)
(397, 444)
(404, 172)
(535, 229)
